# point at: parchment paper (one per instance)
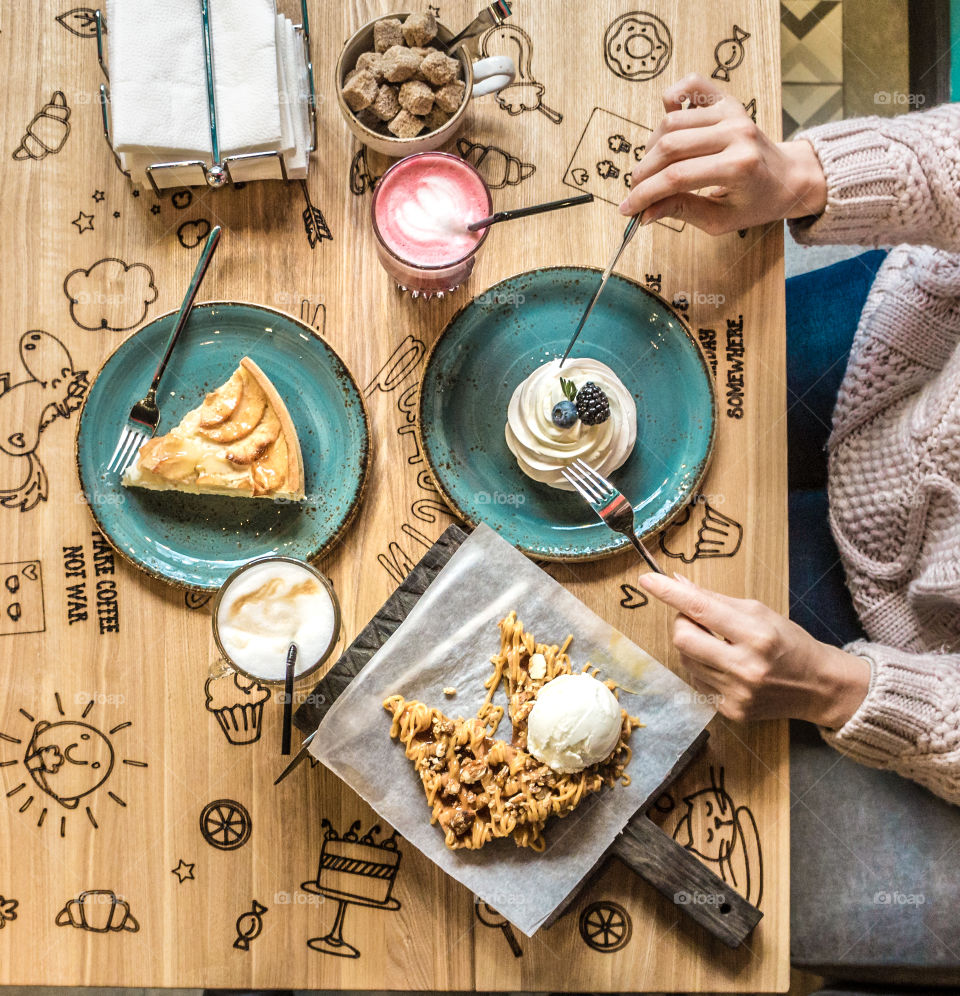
(447, 640)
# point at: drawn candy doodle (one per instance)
(526, 94)
(237, 703)
(498, 167)
(8, 911)
(751, 109)
(191, 233)
(183, 871)
(81, 21)
(723, 834)
(181, 199)
(701, 532)
(47, 132)
(53, 388)
(313, 221)
(100, 911)
(110, 294)
(67, 761)
(249, 925)
(84, 222)
(21, 598)
(356, 870)
(729, 54)
(637, 46)
(609, 147)
(633, 597)
(605, 926)
(196, 599)
(489, 917)
(225, 824)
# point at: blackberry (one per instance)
(592, 405)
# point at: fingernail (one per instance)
(624, 207)
(651, 581)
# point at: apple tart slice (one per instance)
(240, 442)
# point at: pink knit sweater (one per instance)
(894, 453)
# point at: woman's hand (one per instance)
(765, 666)
(741, 178)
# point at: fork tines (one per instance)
(591, 485)
(128, 446)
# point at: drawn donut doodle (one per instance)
(637, 46)
(498, 167)
(52, 389)
(47, 132)
(729, 54)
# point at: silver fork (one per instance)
(145, 415)
(608, 503)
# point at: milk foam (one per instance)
(268, 607)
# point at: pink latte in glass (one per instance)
(421, 208)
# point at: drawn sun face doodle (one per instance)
(68, 761)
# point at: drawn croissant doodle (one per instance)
(498, 167)
(48, 130)
(98, 910)
(52, 389)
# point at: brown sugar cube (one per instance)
(360, 90)
(405, 125)
(437, 118)
(386, 34)
(416, 97)
(420, 29)
(387, 106)
(399, 64)
(373, 63)
(440, 69)
(450, 97)
(422, 51)
(369, 119)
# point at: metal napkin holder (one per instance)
(221, 169)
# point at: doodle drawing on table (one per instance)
(51, 389)
(81, 21)
(497, 166)
(637, 46)
(8, 911)
(526, 94)
(22, 598)
(191, 233)
(605, 926)
(249, 925)
(489, 917)
(700, 532)
(67, 761)
(236, 702)
(314, 223)
(100, 911)
(47, 131)
(110, 294)
(729, 54)
(183, 871)
(225, 824)
(353, 870)
(609, 147)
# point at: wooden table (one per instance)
(87, 639)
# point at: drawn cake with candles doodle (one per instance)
(357, 868)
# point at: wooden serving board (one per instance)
(92, 647)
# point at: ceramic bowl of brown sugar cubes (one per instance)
(399, 90)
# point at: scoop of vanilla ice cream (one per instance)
(574, 723)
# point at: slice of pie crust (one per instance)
(240, 442)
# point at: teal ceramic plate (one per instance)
(501, 337)
(196, 541)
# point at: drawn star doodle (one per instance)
(53, 389)
(84, 222)
(98, 195)
(155, 209)
(183, 871)
(116, 214)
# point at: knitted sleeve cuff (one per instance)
(909, 720)
(864, 184)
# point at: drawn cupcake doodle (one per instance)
(249, 925)
(67, 760)
(700, 532)
(526, 94)
(110, 294)
(237, 703)
(100, 911)
(723, 834)
(729, 54)
(637, 46)
(498, 167)
(47, 132)
(21, 598)
(52, 389)
(81, 21)
(356, 870)
(8, 911)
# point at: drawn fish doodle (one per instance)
(52, 389)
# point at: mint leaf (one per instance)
(569, 389)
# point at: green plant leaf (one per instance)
(569, 389)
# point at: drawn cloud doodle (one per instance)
(48, 130)
(110, 294)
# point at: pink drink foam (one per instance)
(423, 207)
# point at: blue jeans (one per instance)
(823, 308)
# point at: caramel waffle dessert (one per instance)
(481, 788)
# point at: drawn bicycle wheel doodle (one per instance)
(605, 926)
(225, 824)
(637, 46)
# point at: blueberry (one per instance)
(564, 414)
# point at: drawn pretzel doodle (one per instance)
(637, 46)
